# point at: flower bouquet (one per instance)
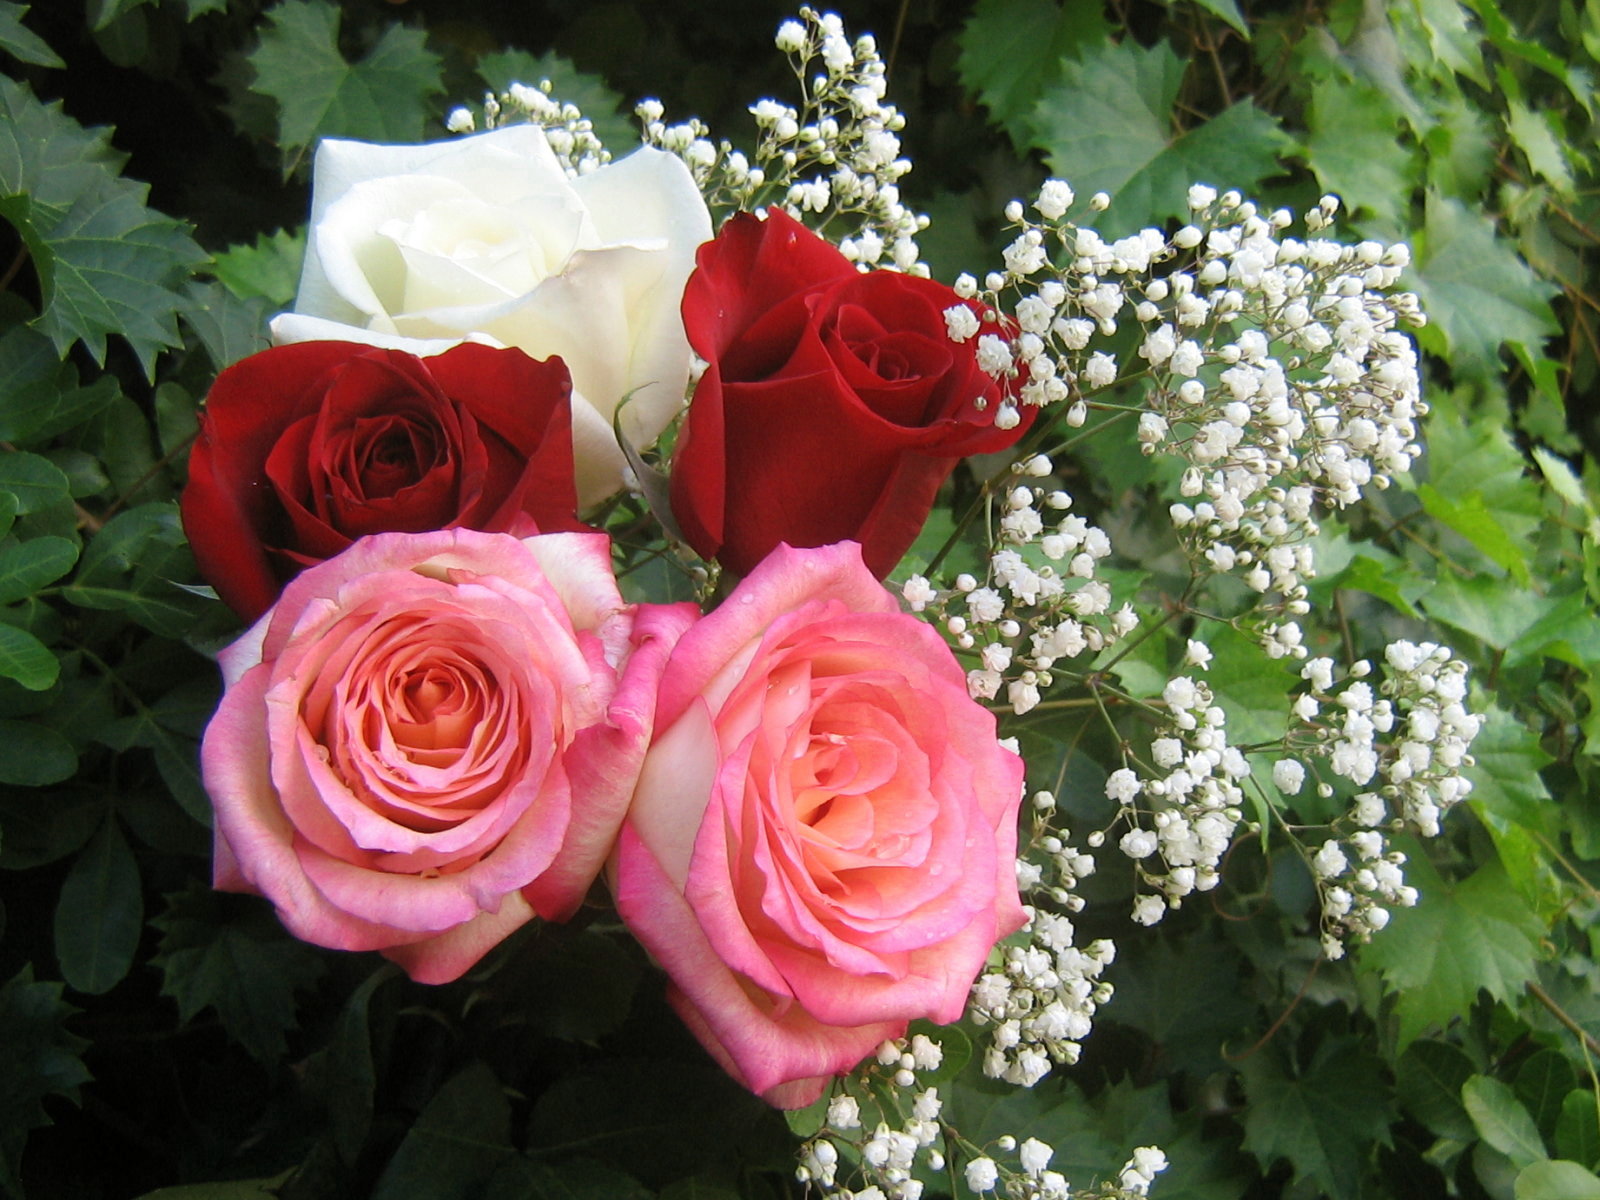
(633, 575)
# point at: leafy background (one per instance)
(193, 1047)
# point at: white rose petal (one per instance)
(484, 238)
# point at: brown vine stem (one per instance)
(894, 43)
(1590, 1046)
(16, 265)
(1282, 1017)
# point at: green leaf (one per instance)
(382, 98)
(600, 105)
(1556, 1179)
(1578, 1128)
(1326, 1120)
(1252, 688)
(1452, 39)
(1228, 10)
(1543, 1081)
(1470, 517)
(130, 566)
(578, 985)
(1390, 579)
(25, 567)
(1186, 998)
(1502, 1120)
(39, 394)
(36, 834)
(1478, 293)
(1107, 126)
(42, 1059)
(29, 661)
(100, 913)
(352, 1076)
(1354, 149)
(1012, 50)
(1563, 480)
(233, 1189)
(1506, 786)
(32, 755)
(229, 328)
(664, 1120)
(1474, 934)
(1428, 1081)
(228, 953)
(269, 268)
(106, 262)
(1539, 136)
(585, 1179)
(1488, 608)
(22, 43)
(36, 483)
(103, 12)
(461, 1139)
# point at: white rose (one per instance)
(420, 247)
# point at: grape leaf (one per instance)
(270, 267)
(1106, 127)
(229, 328)
(1326, 1119)
(41, 1059)
(1474, 934)
(107, 264)
(1478, 294)
(1354, 151)
(383, 98)
(21, 42)
(229, 954)
(1011, 50)
(1506, 783)
(1538, 135)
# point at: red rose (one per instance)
(304, 448)
(835, 403)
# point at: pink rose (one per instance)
(432, 737)
(822, 844)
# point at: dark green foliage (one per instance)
(219, 1059)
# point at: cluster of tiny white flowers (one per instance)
(571, 135)
(883, 1124)
(1274, 367)
(1032, 1178)
(1412, 739)
(906, 1127)
(1041, 601)
(1041, 992)
(837, 153)
(1182, 809)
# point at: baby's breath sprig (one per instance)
(885, 1134)
(571, 135)
(832, 161)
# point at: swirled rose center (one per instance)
(386, 454)
(859, 788)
